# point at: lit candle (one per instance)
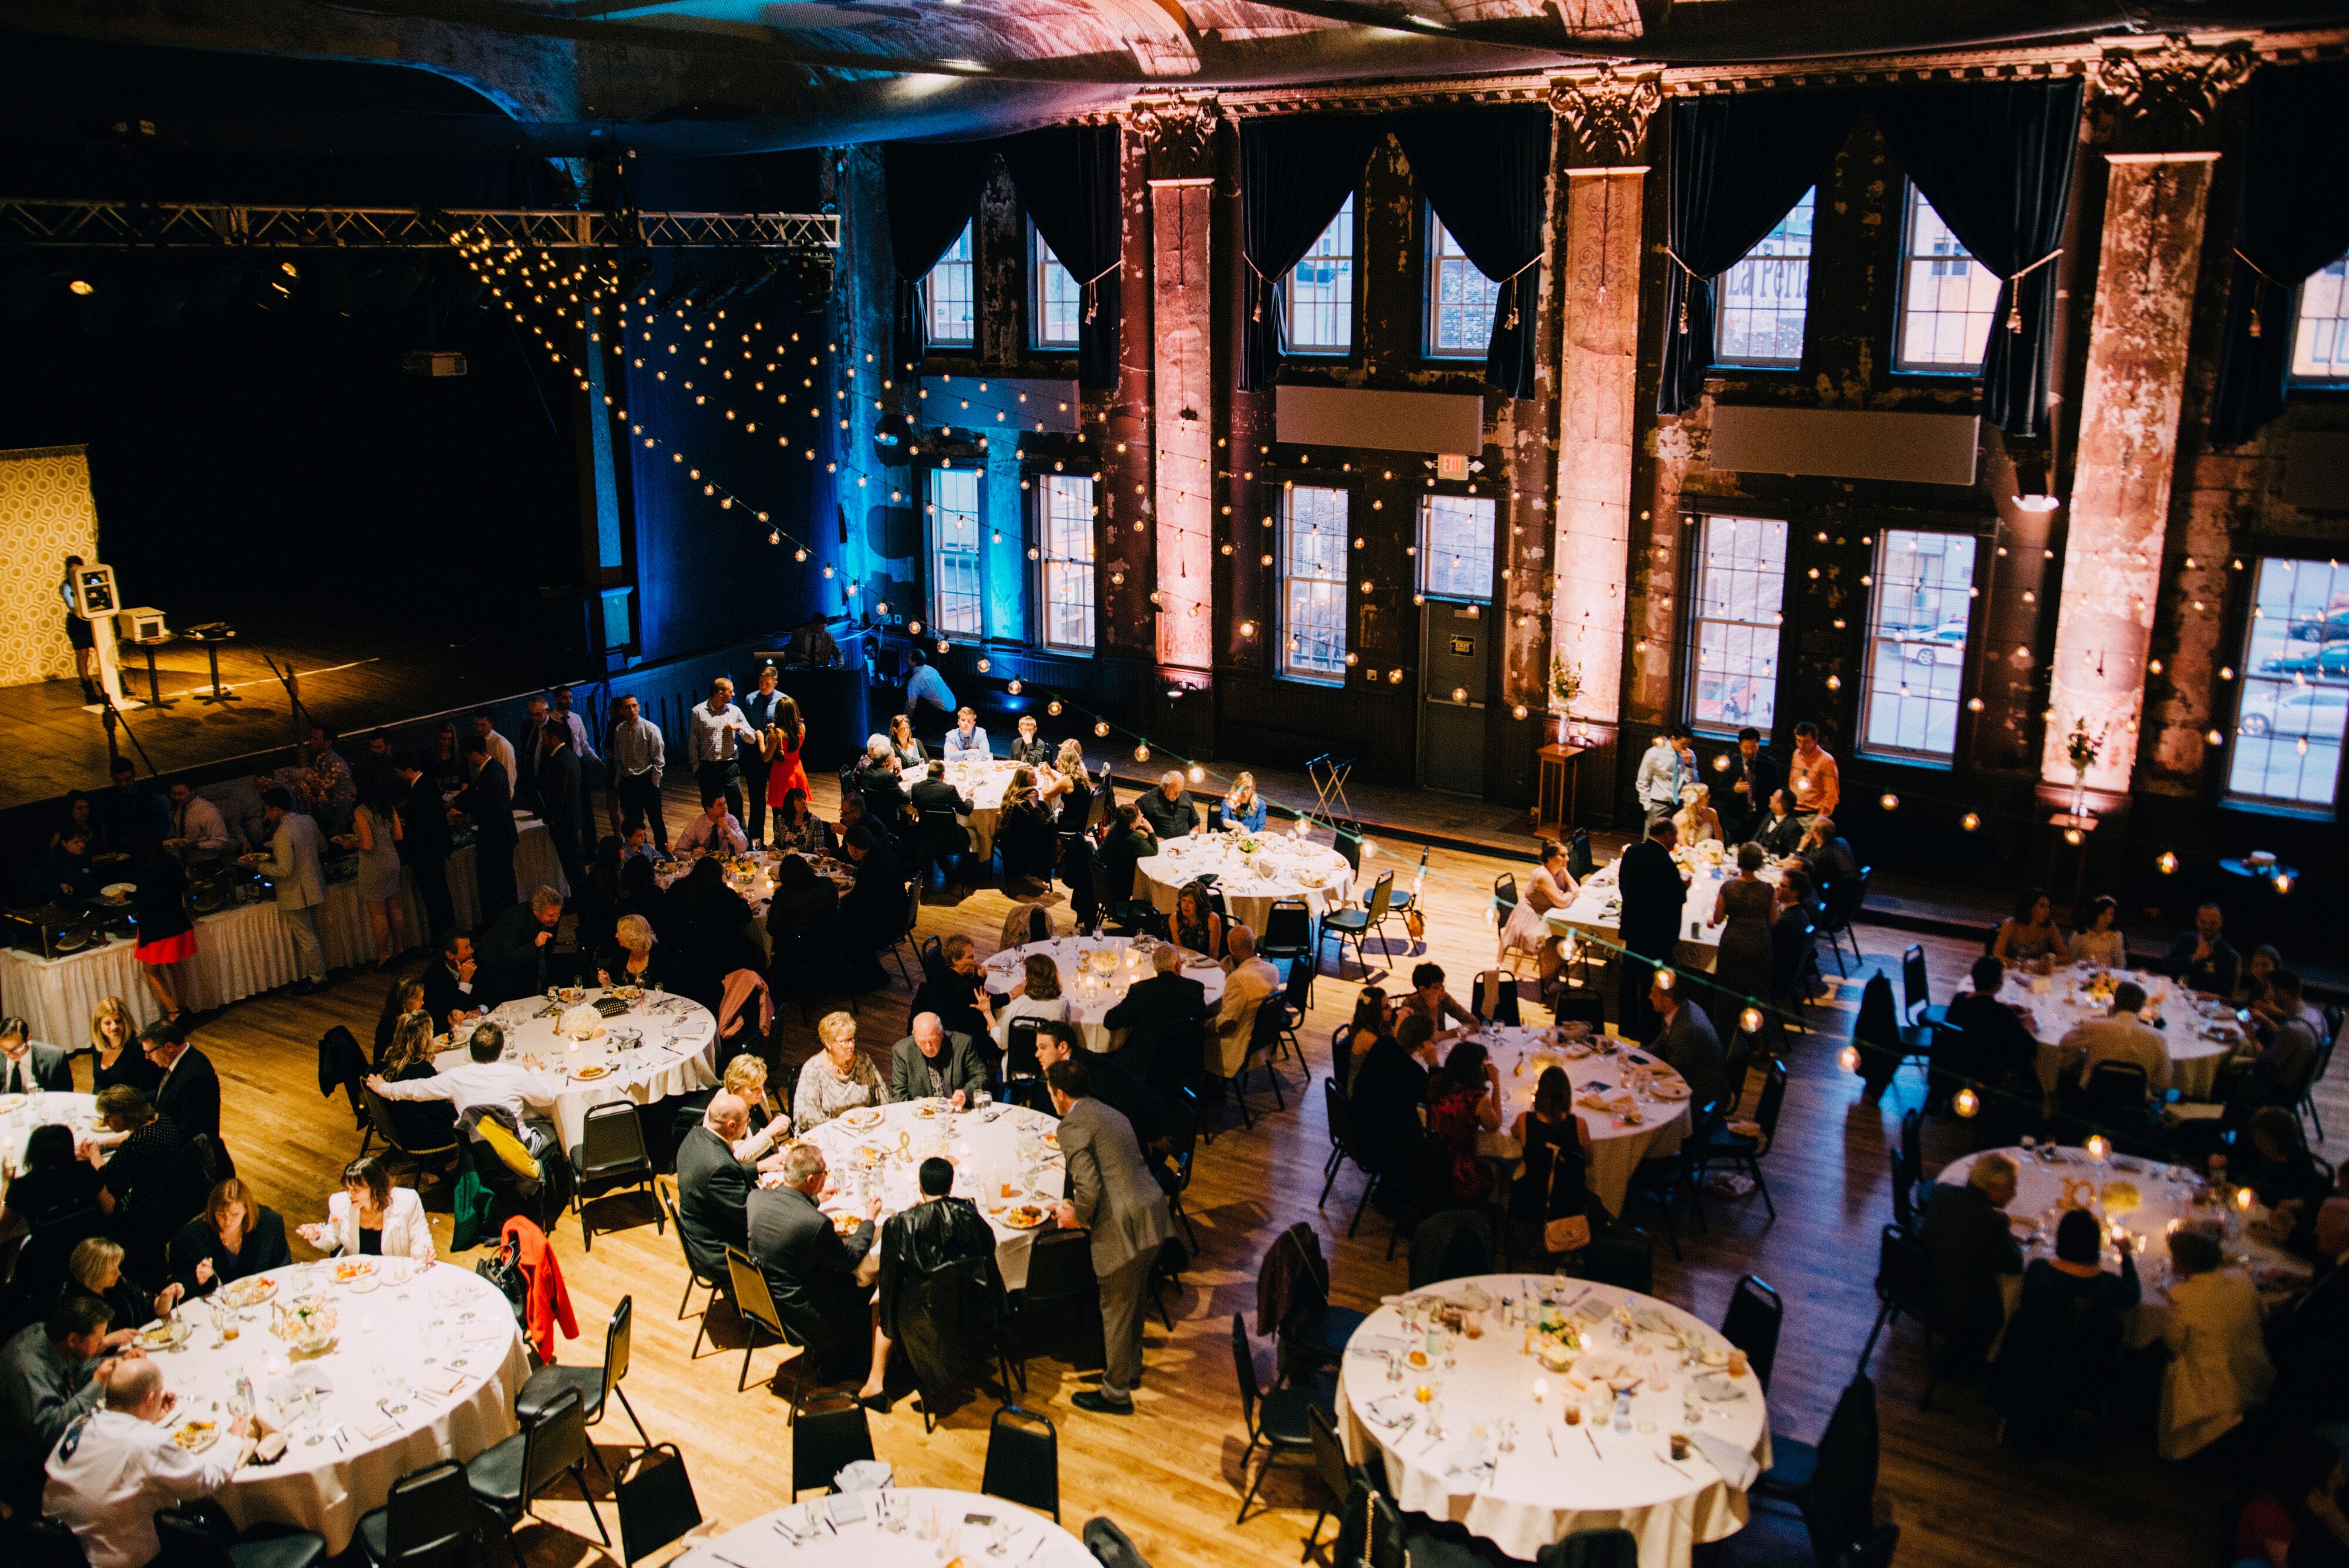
(2243, 1199)
(2098, 1146)
(1541, 1389)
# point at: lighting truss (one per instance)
(197, 225)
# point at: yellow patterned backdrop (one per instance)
(46, 513)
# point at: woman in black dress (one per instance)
(119, 1058)
(1557, 1146)
(167, 932)
(2062, 1345)
(417, 1124)
(233, 1238)
(53, 1186)
(1196, 925)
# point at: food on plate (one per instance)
(349, 1269)
(1051, 1140)
(2120, 1197)
(863, 1116)
(162, 1336)
(195, 1437)
(249, 1291)
(844, 1224)
(1023, 1216)
(590, 1073)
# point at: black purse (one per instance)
(502, 1269)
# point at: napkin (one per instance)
(1735, 1465)
(374, 1430)
(1375, 1344)
(443, 1384)
(1468, 1460)
(1392, 1410)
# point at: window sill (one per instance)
(2277, 809)
(1938, 373)
(1325, 682)
(1903, 760)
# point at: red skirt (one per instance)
(786, 775)
(171, 950)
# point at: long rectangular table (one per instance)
(241, 951)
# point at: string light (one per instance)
(1966, 1103)
(1849, 1058)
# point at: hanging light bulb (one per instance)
(1849, 1058)
(1970, 822)
(1966, 1103)
(912, 628)
(2167, 863)
(943, 645)
(1142, 752)
(1198, 774)
(1518, 712)
(1750, 1021)
(1888, 801)
(800, 554)
(1053, 707)
(1721, 763)
(1101, 729)
(1013, 687)
(1248, 628)
(1834, 683)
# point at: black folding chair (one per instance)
(1276, 1420)
(755, 1305)
(1183, 1151)
(1623, 1256)
(188, 1543)
(1061, 1289)
(1607, 1546)
(427, 1521)
(1340, 1113)
(1296, 1000)
(1832, 1486)
(506, 1478)
(611, 1153)
(1288, 932)
(1743, 1151)
(693, 1274)
(594, 1385)
(1353, 923)
(1904, 1285)
(831, 1433)
(1917, 1004)
(1752, 1324)
(655, 1497)
(1023, 1460)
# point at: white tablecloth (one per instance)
(1282, 867)
(659, 1048)
(1556, 1478)
(1617, 1146)
(2200, 1031)
(926, 1527)
(1088, 994)
(1596, 908)
(1002, 1143)
(983, 784)
(20, 1114)
(2165, 1193)
(448, 1335)
(241, 951)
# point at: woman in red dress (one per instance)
(785, 774)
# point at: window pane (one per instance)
(954, 552)
(1056, 311)
(1313, 583)
(2295, 678)
(1068, 562)
(1947, 298)
(1459, 299)
(1741, 583)
(1455, 547)
(1916, 643)
(1758, 309)
(1319, 292)
(949, 297)
(2320, 338)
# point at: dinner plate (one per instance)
(1679, 1091)
(118, 889)
(1023, 1216)
(861, 1117)
(589, 1074)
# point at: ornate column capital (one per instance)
(1607, 111)
(2177, 79)
(1180, 123)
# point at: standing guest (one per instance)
(529, 746)
(323, 784)
(1742, 910)
(1242, 808)
(129, 814)
(715, 831)
(447, 759)
(1754, 778)
(79, 634)
(821, 1279)
(905, 744)
(1025, 746)
(1696, 819)
(760, 709)
(189, 1091)
(370, 1218)
(926, 688)
(714, 746)
(584, 749)
(197, 827)
(516, 1097)
(234, 1238)
(51, 1376)
(1688, 1045)
(1550, 1182)
(2218, 1362)
(1550, 887)
(798, 830)
(2031, 933)
(1780, 831)
(1653, 893)
(637, 760)
(2099, 940)
(1966, 1237)
(488, 801)
(1667, 767)
(1169, 809)
(116, 1056)
(873, 916)
(449, 994)
(836, 1079)
(1112, 1196)
(956, 993)
(116, 1468)
(2062, 1347)
(485, 732)
(2121, 1036)
(64, 869)
(1249, 981)
(1464, 1099)
(2203, 960)
(374, 833)
(517, 948)
(1793, 940)
(1197, 926)
(787, 773)
(930, 1063)
(29, 1068)
(1811, 776)
(424, 843)
(1422, 1019)
(1037, 995)
(558, 799)
(966, 741)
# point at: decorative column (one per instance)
(1180, 134)
(1599, 364)
(2130, 401)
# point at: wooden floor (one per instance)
(1171, 1476)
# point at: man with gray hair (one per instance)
(821, 1277)
(1169, 809)
(712, 1186)
(115, 1467)
(1247, 980)
(930, 1062)
(1161, 1018)
(1966, 1236)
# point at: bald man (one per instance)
(112, 1471)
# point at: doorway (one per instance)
(1454, 638)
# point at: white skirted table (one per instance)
(1596, 908)
(1251, 879)
(659, 1048)
(20, 1114)
(753, 877)
(1095, 974)
(419, 1365)
(242, 951)
(1524, 1449)
(1631, 1115)
(2200, 1032)
(894, 1527)
(983, 784)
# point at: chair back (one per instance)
(1287, 929)
(933, 961)
(1452, 1244)
(612, 1138)
(1752, 1324)
(828, 1433)
(1244, 1370)
(2117, 1091)
(751, 1297)
(655, 1502)
(429, 1518)
(1023, 1460)
(1339, 1112)
(1623, 1256)
(1182, 1137)
(554, 1440)
(1374, 908)
(618, 1336)
(1328, 1453)
(1773, 1102)
(1578, 863)
(1297, 992)
(1505, 896)
(1840, 1507)
(187, 1543)
(1907, 1169)
(668, 1200)
(48, 1543)
(1904, 1276)
(1060, 1268)
(1350, 849)
(1264, 1021)
(1916, 989)
(1583, 1005)
(1608, 1546)
(913, 905)
(1493, 997)
(1040, 923)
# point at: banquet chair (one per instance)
(1832, 1486)
(1023, 1078)
(2117, 1092)
(754, 1303)
(1493, 997)
(2306, 1104)
(1313, 1334)
(1751, 1322)
(1329, 1465)
(427, 1521)
(1350, 849)
(1040, 923)
(655, 1497)
(1287, 933)
(948, 1320)
(1876, 1551)
(693, 1276)
(1339, 1112)
(1296, 1000)
(1415, 900)
(187, 1541)
(1623, 1256)
(1909, 1189)
(611, 1153)
(1061, 1290)
(595, 1384)
(1276, 1420)
(1846, 900)
(1451, 1245)
(1742, 1151)
(381, 1124)
(1505, 897)
(506, 1478)
(1581, 1004)
(1023, 1460)
(1353, 923)
(829, 1434)
(1905, 1283)
(1667, 1176)
(46, 1544)
(1607, 1547)
(1183, 1149)
(1916, 1003)
(1264, 1040)
(1578, 861)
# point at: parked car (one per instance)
(2332, 626)
(2324, 662)
(1921, 645)
(2315, 711)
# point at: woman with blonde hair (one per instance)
(371, 1218)
(1696, 819)
(115, 1053)
(746, 1079)
(1243, 810)
(838, 1078)
(94, 1268)
(234, 1238)
(631, 959)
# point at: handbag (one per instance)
(502, 1269)
(1570, 1233)
(1415, 923)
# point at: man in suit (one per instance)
(873, 916)
(27, 1065)
(1833, 866)
(931, 1062)
(190, 1092)
(530, 750)
(1169, 809)
(1162, 1017)
(488, 799)
(822, 1280)
(1653, 893)
(589, 764)
(758, 708)
(1985, 1042)
(2203, 960)
(450, 994)
(1688, 1044)
(940, 804)
(296, 869)
(517, 947)
(958, 997)
(424, 843)
(1112, 1196)
(1753, 775)
(712, 1186)
(1152, 1119)
(1966, 1236)
(558, 799)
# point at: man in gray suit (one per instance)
(821, 1277)
(1688, 1044)
(930, 1062)
(1114, 1195)
(295, 868)
(27, 1065)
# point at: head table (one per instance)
(894, 1527)
(1635, 1107)
(1095, 974)
(2200, 1031)
(1253, 872)
(1473, 1423)
(660, 1047)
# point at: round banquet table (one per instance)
(753, 877)
(20, 1114)
(1595, 909)
(425, 1366)
(983, 784)
(2165, 1194)
(1282, 867)
(1553, 1478)
(2200, 1032)
(892, 1527)
(662, 1047)
(989, 1147)
(1088, 994)
(1626, 1126)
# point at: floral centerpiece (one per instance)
(2082, 749)
(306, 1324)
(2100, 988)
(1565, 679)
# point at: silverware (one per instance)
(1594, 1442)
(1670, 1466)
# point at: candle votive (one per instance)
(1541, 1389)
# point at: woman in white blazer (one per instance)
(370, 1216)
(2217, 1363)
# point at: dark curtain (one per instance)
(1294, 176)
(1995, 159)
(1483, 170)
(2292, 217)
(1739, 164)
(932, 189)
(1068, 179)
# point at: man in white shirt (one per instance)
(713, 745)
(638, 758)
(296, 870)
(197, 825)
(1249, 979)
(1668, 766)
(2122, 1037)
(967, 741)
(486, 727)
(926, 688)
(716, 830)
(488, 1086)
(110, 1472)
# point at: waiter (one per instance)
(758, 708)
(718, 739)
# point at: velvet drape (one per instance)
(932, 189)
(1483, 170)
(1070, 181)
(1294, 176)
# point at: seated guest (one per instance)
(931, 1063)
(2100, 940)
(403, 999)
(630, 959)
(237, 1236)
(143, 1187)
(821, 1281)
(708, 924)
(640, 890)
(1389, 1087)
(417, 1124)
(873, 916)
(517, 950)
(941, 809)
(798, 830)
(1197, 926)
(1036, 995)
(2281, 1074)
(1162, 1016)
(2062, 1347)
(1550, 887)
(64, 869)
(189, 1091)
(28, 1067)
(50, 1376)
(370, 1218)
(51, 1184)
(1372, 1021)
(122, 1464)
(903, 741)
(1829, 858)
(1966, 1237)
(1249, 981)
(957, 991)
(2202, 960)
(1688, 1044)
(1125, 842)
(1781, 831)
(713, 1184)
(116, 1056)
(1421, 1020)
(838, 1078)
(966, 741)
(2121, 1036)
(1986, 1041)
(449, 989)
(1169, 809)
(1242, 810)
(941, 1232)
(94, 1268)
(1025, 746)
(1026, 834)
(925, 688)
(746, 1080)
(2251, 980)
(2031, 933)
(1696, 819)
(518, 1098)
(1549, 1183)
(803, 903)
(713, 831)
(878, 784)
(1462, 1100)
(2217, 1365)
(2274, 1162)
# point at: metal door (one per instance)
(1453, 640)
